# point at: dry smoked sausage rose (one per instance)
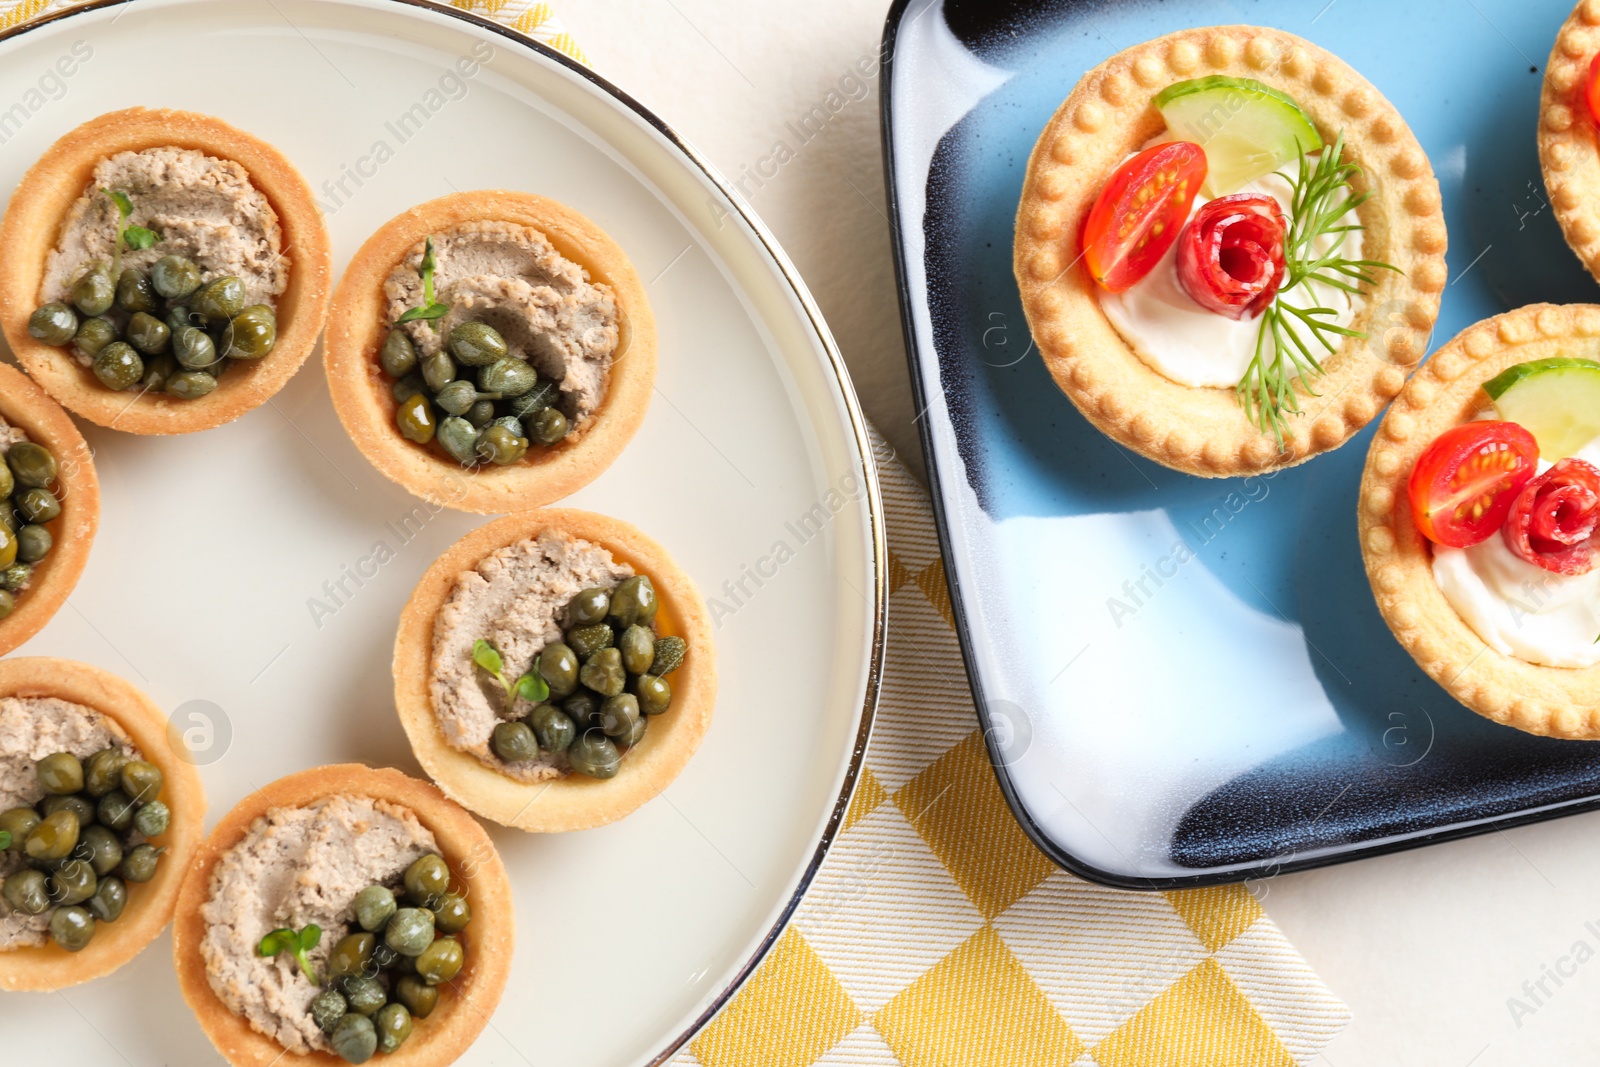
(1552, 523)
(1230, 256)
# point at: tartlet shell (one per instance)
(24, 405)
(1447, 391)
(32, 225)
(361, 390)
(1569, 156)
(1109, 116)
(150, 906)
(572, 802)
(470, 999)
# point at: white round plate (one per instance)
(250, 578)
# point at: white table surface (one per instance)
(1427, 947)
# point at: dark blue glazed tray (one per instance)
(1159, 723)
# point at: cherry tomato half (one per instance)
(1463, 486)
(1591, 88)
(1140, 213)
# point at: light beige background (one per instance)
(1427, 946)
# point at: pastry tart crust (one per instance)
(32, 225)
(572, 802)
(150, 906)
(1445, 392)
(1203, 431)
(1569, 154)
(462, 1014)
(361, 390)
(29, 408)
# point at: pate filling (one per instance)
(512, 278)
(514, 599)
(32, 728)
(294, 867)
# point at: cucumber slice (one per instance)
(1556, 399)
(1247, 129)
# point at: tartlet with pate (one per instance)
(491, 351)
(554, 670)
(182, 283)
(51, 509)
(303, 911)
(1230, 250)
(55, 712)
(1479, 508)
(1569, 125)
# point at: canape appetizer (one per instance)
(1479, 509)
(1230, 250)
(554, 670)
(491, 351)
(178, 287)
(99, 819)
(1569, 123)
(344, 913)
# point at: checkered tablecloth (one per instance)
(935, 934)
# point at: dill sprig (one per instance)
(1322, 196)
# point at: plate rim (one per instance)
(1052, 850)
(873, 494)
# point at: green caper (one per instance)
(28, 891)
(190, 384)
(37, 505)
(509, 377)
(251, 333)
(134, 291)
(352, 955)
(440, 961)
(54, 838)
(459, 438)
(8, 547)
(54, 324)
(514, 742)
(100, 847)
(549, 426)
(15, 578)
(499, 446)
(418, 996)
(19, 823)
(457, 397)
(511, 423)
(438, 370)
(409, 931)
(543, 395)
(34, 543)
(157, 369)
(593, 754)
(399, 355)
(32, 465)
(152, 819)
(364, 994)
(174, 277)
(71, 928)
(110, 897)
(92, 336)
(139, 865)
(103, 772)
(327, 1008)
(618, 714)
(79, 806)
(452, 914)
(374, 906)
(406, 388)
(60, 773)
(634, 734)
(95, 292)
(655, 695)
(177, 318)
(589, 607)
(638, 647)
(393, 1023)
(147, 334)
(427, 879)
(416, 419)
(587, 640)
(141, 780)
(218, 300)
(558, 666)
(581, 707)
(633, 601)
(73, 882)
(354, 1038)
(669, 655)
(480, 414)
(476, 344)
(115, 810)
(603, 673)
(8, 482)
(194, 348)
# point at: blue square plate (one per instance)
(1156, 722)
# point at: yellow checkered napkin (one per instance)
(936, 935)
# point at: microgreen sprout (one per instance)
(298, 942)
(5, 840)
(529, 687)
(431, 310)
(134, 238)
